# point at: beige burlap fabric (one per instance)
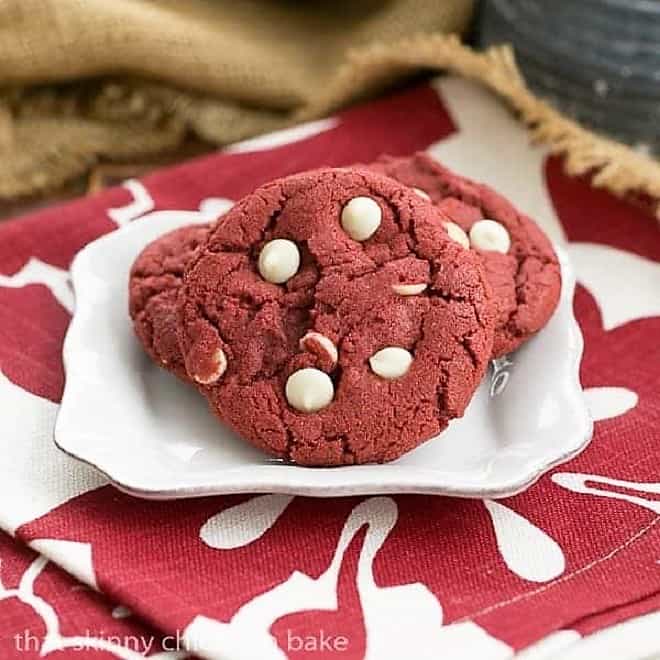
(118, 79)
(154, 69)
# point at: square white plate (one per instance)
(154, 437)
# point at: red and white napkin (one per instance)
(570, 568)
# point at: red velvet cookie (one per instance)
(153, 286)
(329, 319)
(520, 263)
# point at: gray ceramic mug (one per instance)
(597, 60)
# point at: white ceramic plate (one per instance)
(154, 437)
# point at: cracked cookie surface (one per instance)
(296, 365)
(153, 287)
(524, 273)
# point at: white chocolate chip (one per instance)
(361, 217)
(220, 360)
(457, 234)
(279, 260)
(408, 289)
(422, 193)
(325, 344)
(309, 390)
(490, 235)
(391, 362)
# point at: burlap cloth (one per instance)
(117, 79)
